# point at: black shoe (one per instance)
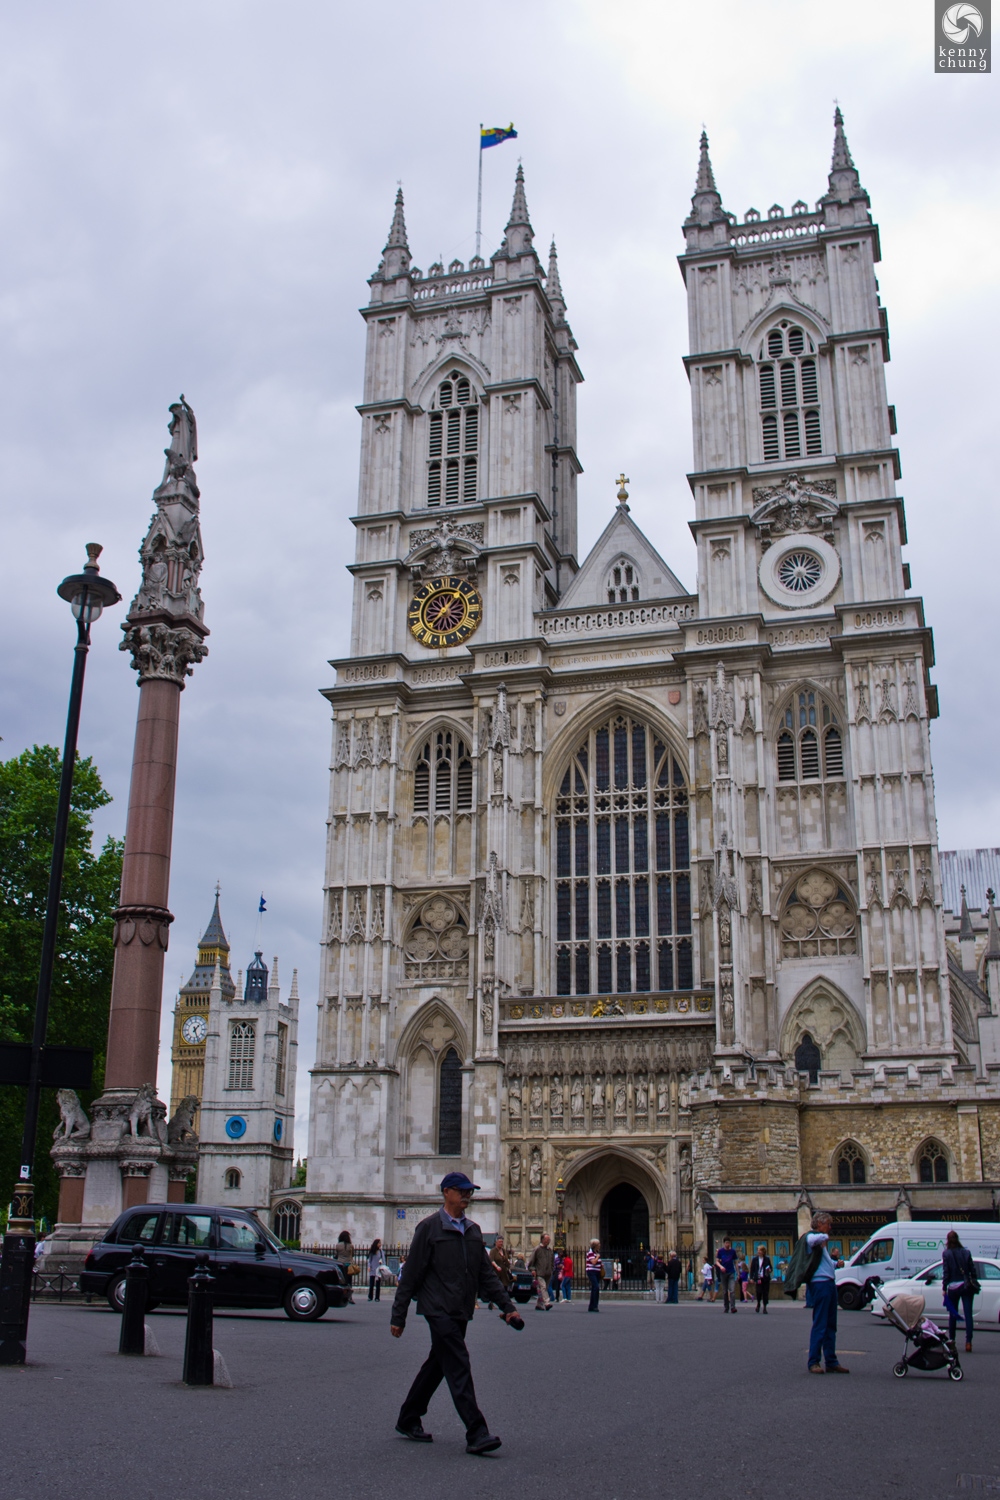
(416, 1434)
(484, 1444)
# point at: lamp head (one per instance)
(87, 593)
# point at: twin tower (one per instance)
(608, 855)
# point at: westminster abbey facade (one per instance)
(633, 904)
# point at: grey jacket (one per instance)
(542, 1260)
(446, 1271)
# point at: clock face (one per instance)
(194, 1030)
(445, 612)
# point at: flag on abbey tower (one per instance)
(492, 136)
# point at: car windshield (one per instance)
(878, 1250)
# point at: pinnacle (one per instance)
(397, 231)
(841, 150)
(519, 207)
(965, 929)
(706, 177)
(553, 285)
(993, 944)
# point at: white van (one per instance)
(903, 1248)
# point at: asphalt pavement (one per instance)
(640, 1401)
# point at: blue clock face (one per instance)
(235, 1127)
(278, 1128)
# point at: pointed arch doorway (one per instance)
(624, 1220)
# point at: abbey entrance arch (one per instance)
(617, 1197)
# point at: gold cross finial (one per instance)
(623, 492)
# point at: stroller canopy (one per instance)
(909, 1308)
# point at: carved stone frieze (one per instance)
(162, 651)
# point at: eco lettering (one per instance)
(922, 1244)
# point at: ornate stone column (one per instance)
(128, 1154)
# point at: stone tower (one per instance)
(248, 1099)
(466, 528)
(187, 1054)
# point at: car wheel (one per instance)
(116, 1294)
(305, 1302)
(850, 1298)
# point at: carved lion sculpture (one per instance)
(73, 1124)
(142, 1113)
(180, 1127)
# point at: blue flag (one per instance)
(493, 136)
(263, 904)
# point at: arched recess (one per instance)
(774, 313)
(850, 1163)
(436, 939)
(933, 1162)
(426, 383)
(438, 788)
(427, 1039)
(824, 1012)
(818, 917)
(592, 1175)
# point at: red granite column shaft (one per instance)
(140, 943)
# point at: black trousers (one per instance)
(763, 1292)
(448, 1360)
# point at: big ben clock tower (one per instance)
(191, 1013)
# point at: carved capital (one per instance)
(181, 1171)
(136, 1168)
(162, 648)
(150, 924)
(70, 1168)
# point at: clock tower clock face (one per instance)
(194, 1030)
(445, 612)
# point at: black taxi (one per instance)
(249, 1266)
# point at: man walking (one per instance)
(675, 1267)
(760, 1275)
(541, 1262)
(725, 1264)
(446, 1269)
(823, 1286)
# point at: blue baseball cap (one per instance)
(459, 1182)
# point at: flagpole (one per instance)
(479, 196)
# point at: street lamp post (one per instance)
(87, 593)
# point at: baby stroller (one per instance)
(932, 1349)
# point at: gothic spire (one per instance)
(706, 203)
(553, 286)
(965, 925)
(841, 150)
(518, 233)
(844, 181)
(396, 255)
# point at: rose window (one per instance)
(437, 944)
(800, 571)
(819, 918)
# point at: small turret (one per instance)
(553, 287)
(706, 202)
(845, 185)
(396, 255)
(518, 236)
(256, 987)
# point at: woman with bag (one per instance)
(376, 1266)
(958, 1279)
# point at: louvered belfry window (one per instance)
(623, 883)
(241, 1049)
(448, 764)
(788, 391)
(810, 746)
(453, 443)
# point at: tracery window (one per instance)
(623, 883)
(442, 777)
(933, 1162)
(286, 1222)
(453, 442)
(810, 745)
(819, 919)
(450, 1105)
(242, 1039)
(622, 582)
(436, 945)
(850, 1163)
(788, 391)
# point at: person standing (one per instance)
(658, 1271)
(376, 1263)
(446, 1269)
(957, 1271)
(595, 1273)
(725, 1264)
(675, 1269)
(566, 1273)
(823, 1286)
(555, 1277)
(541, 1262)
(707, 1281)
(501, 1264)
(760, 1275)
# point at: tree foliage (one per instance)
(81, 980)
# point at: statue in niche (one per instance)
(722, 750)
(728, 1017)
(685, 1094)
(515, 1170)
(620, 1099)
(597, 1100)
(535, 1171)
(514, 1099)
(662, 1097)
(641, 1097)
(725, 930)
(498, 770)
(685, 1166)
(556, 1097)
(576, 1096)
(536, 1098)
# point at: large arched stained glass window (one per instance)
(623, 883)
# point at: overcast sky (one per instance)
(193, 198)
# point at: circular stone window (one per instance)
(799, 571)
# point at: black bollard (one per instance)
(199, 1360)
(133, 1334)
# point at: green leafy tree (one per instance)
(81, 980)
